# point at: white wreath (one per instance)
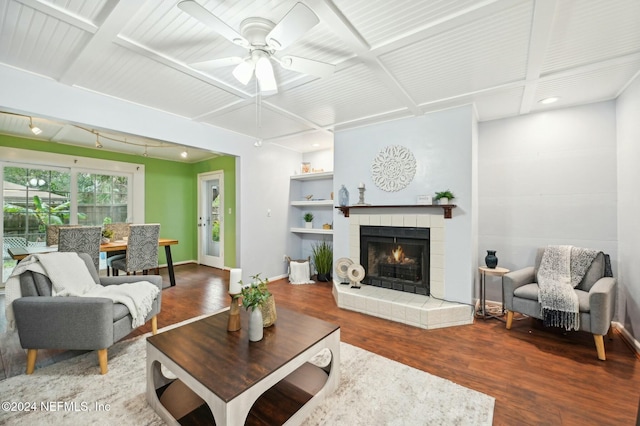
(393, 168)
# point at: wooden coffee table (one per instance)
(230, 373)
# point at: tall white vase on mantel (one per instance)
(256, 328)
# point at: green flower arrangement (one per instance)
(255, 294)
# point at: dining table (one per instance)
(19, 253)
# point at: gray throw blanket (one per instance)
(561, 270)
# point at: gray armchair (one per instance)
(74, 323)
(596, 296)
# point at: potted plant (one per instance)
(308, 219)
(256, 295)
(107, 234)
(322, 254)
(444, 197)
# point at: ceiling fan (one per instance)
(262, 38)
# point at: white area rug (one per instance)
(373, 391)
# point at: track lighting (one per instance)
(145, 152)
(184, 154)
(98, 144)
(258, 143)
(35, 129)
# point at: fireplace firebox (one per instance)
(396, 257)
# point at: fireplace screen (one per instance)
(396, 257)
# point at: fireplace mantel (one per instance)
(446, 207)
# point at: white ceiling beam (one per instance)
(178, 66)
(113, 21)
(61, 14)
(342, 28)
(544, 14)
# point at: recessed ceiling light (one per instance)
(315, 145)
(549, 100)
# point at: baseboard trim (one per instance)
(628, 338)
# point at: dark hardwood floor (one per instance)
(538, 376)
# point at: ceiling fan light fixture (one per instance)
(35, 129)
(264, 74)
(244, 71)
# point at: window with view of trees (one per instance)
(102, 197)
(36, 197)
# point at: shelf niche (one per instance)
(446, 207)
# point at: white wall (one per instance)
(628, 127)
(547, 178)
(442, 143)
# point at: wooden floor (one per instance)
(537, 376)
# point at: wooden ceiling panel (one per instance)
(455, 62)
(125, 75)
(586, 32)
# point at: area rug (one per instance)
(373, 391)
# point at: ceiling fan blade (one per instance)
(216, 63)
(307, 66)
(244, 71)
(197, 11)
(295, 23)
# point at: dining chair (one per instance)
(120, 232)
(82, 239)
(52, 233)
(142, 250)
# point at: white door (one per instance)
(211, 219)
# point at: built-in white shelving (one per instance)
(313, 176)
(312, 231)
(311, 203)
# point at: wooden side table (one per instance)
(498, 272)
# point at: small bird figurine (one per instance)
(308, 197)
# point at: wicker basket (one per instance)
(269, 315)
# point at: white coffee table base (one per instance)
(235, 411)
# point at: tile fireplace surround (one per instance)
(412, 309)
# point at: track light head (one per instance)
(35, 129)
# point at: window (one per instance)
(40, 188)
(102, 198)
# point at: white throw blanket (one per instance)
(299, 273)
(70, 277)
(561, 270)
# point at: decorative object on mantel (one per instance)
(355, 273)
(255, 296)
(308, 197)
(490, 259)
(444, 197)
(424, 200)
(326, 226)
(447, 208)
(361, 199)
(343, 196)
(342, 266)
(305, 167)
(393, 168)
(308, 220)
(322, 254)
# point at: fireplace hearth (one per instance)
(396, 257)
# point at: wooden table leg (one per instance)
(172, 276)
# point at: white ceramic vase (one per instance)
(256, 328)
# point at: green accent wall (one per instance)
(170, 194)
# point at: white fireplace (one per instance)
(414, 309)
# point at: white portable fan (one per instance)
(342, 266)
(262, 38)
(355, 273)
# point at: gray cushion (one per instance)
(594, 273)
(530, 292)
(119, 311)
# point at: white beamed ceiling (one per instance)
(393, 59)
